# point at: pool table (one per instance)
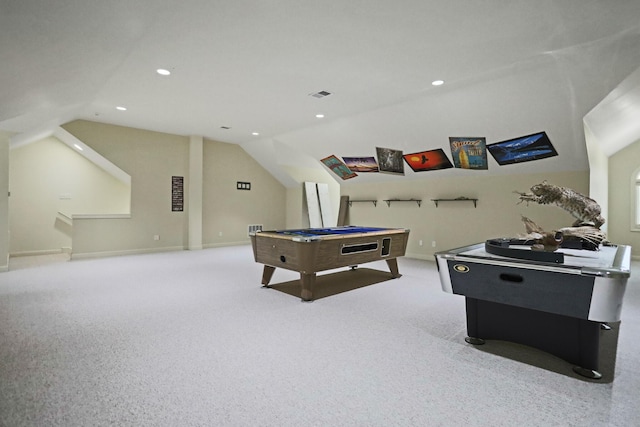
(311, 250)
(557, 302)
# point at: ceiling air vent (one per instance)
(321, 94)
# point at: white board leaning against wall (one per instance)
(318, 204)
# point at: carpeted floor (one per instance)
(192, 339)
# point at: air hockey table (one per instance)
(554, 301)
(312, 250)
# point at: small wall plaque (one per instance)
(243, 185)
(177, 193)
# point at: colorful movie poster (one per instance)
(337, 167)
(469, 153)
(428, 160)
(361, 164)
(522, 149)
(390, 161)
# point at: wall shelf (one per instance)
(375, 202)
(457, 199)
(418, 201)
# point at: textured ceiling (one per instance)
(510, 69)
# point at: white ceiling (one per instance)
(511, 68)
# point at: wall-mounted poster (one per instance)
(468, 153)
(390, 161)
(337, 167)
(523, 149)
(428, 160)
(361, 164)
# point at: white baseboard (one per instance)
(222, 245)
(89, 255)
(37, 253)
(425, 257)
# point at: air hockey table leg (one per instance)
(472, 324)
(589, 373)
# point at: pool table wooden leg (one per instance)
(267, 274)
(307, 282)
(393, 267)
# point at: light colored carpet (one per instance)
(192, 339)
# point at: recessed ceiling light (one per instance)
(320, 116)
(121, 108)
(163, 72)
(78, 147)
(437, 82)
(255, 133)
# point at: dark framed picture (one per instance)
(361, 164)
(428, 160)
(177, 193)
(390, 160)
(522, 149)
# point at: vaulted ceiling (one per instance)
(252, 66)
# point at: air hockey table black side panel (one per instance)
(575, 340)
(549, 291)
(547, 310)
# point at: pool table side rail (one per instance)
(276, 234)
(306, 257)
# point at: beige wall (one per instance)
(4, 201)
(50, 182)
(621, 168)
(455, 224)
(598, 173)
(151, 159)
(227, 211)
